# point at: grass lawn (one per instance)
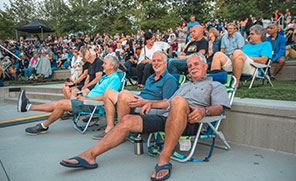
(281, 90)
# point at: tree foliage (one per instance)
(236, 9)
(91, 16)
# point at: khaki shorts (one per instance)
(290, 52)
(248, 68)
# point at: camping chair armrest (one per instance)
(93, 103)
(210, 119)
(259, 65)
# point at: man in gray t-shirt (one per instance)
(192, 101)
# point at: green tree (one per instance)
(7, 26)
(21, 11)
(56, 14)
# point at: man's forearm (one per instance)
(95, 80)
(164, 104)
(261, 60)
(99, 98)
(215, 110)
(79, 79)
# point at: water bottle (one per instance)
(138, 146)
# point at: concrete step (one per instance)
(43, 89)
(37, 94)
(45, 96)
(33, 101)
(288, 72)
(61, 75)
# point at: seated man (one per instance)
(278, 43)
(232, 40)
(196, 44)
(185, 109)
(160, 85)
(57, 108)
(240, 62)
(92, 72)
(291, 47)
(144, 67)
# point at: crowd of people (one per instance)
(152, 59)
(38, 59)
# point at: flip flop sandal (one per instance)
(158, 168)
(82, 163)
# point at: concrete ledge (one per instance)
(262, 123)
(288, 72)
(61, 75)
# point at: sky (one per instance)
(2, 3)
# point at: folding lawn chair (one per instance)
(98, 110)
(132, 137)
(208, 129)
(261, 72)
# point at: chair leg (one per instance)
(253, 78)
(82, 129)
(189, 157)
(268, 79)
(90, 118)
(220, 135)
(76, 122)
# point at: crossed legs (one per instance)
(122, 99)
(219, 60)
(123, 108)
(238, 59)
(238, 62)
(110, 99)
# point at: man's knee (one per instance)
(218, 55)
(282, 61)
(127, 122)
(63, 103)
(110, 94)
(124, 95)
(238, 53)
(180, 102)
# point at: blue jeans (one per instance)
(177, 65)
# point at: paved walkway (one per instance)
(35, 158)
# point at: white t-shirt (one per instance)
(157, 46)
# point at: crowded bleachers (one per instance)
(38, 59)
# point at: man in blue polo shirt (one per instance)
(160, 85)
(232, 40)
(110, 80)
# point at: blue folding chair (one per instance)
(98, 110)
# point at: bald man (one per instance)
(194, 100)
(197, 43)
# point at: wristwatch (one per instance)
(207, 111)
